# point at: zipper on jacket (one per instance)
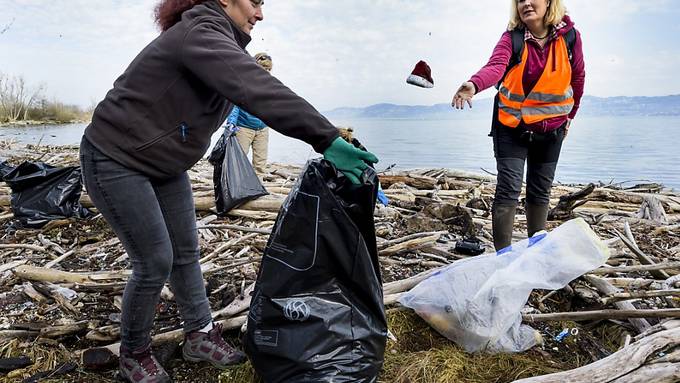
(183, 131)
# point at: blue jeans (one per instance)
(155, 221)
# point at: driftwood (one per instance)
(577, 316)
(606, 288)
(628, 269)
(639, 294)
(568, 202)
(232, 245)
(652, 210)
(616, 366)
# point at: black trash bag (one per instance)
(317, 312)
(42, 192)
(234, 178)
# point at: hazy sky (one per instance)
(344, 53)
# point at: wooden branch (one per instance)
(614, 366)
(12, 265)
(238, 305)
(42, 274)
(177, 335)
(652, 210)
(628, 269)
(577, 316)
(39, 249)
(606, 288)
(568, 202)
(642, 257)
(55, 261)
(239, 228)
(413, 180)
(409, 245)
(639, 294)
(258, 215)
(392, 242)
(658, 372)
(67, 329)
(409, 283)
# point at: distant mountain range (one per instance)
(590, 106)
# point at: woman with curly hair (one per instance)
(153, 126)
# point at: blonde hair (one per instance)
(553, 16)
(264, 60)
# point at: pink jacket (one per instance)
(493, 71)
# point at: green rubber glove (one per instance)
(348, 159)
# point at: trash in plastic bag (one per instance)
(234, 178)
(477, 302)
(42, 192)
(317, 311)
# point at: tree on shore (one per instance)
(16, 97)
(19, 102)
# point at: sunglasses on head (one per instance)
(264, 57)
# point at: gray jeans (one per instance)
(155, 221)
(514, 147)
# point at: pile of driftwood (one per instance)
(62, 285)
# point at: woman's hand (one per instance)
(463, 94)
(566, 127)
(348, 159)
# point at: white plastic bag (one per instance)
(476, 302)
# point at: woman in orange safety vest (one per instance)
(538, 68)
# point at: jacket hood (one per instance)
(212, 8)
(565, 26)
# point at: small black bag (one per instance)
(317, 312)
(41, 192)
(234, 178)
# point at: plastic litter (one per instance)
(41, 192)
(63, 291)
(477, 302)
(317, 313)
(234, 178)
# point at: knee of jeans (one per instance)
(154, 272)
(539, 183)
(187, 256)
(509, 180)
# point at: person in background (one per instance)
(252, 132)
(153, 126)
(539, 68)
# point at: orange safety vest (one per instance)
(552, 95)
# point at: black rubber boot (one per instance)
(502, 218)
(537, 215)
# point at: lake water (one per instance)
(603, 149)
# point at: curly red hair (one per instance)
(169, 12)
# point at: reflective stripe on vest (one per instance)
(552, 96)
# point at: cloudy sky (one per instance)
(343, 53)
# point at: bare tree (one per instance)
(7, 27)
(16, 98)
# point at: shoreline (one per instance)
(26, 123)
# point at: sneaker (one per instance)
(421, 76)
(141, 367)
(211, 347)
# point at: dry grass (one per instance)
(45, 358)
(420, 355)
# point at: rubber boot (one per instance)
(537, 215)
(502, 218)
